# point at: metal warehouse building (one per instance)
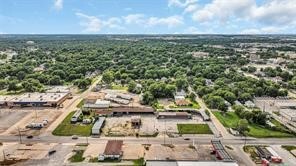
(96, 129)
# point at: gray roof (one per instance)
(99, 123)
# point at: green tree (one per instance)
(55, 80)
(108, 77)
(148, 98)
(132, 86)
(13, 85)
(3, 84)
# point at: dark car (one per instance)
(30, 136)
(186, 139)
(51, 152)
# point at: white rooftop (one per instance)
(38, 97)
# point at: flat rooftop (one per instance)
(173, 114)
(290, 112)
(113, 147)
(189, 163)
(58, 89)
(39, 97)
(6, 98)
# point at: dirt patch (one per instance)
(133, 151)
(179, 152)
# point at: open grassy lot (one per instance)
(68, 129)
(194, 129)
(193, 104)
(118, 87)
(77, 157)
(230, 120)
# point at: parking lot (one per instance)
(8, 117)
(21, 117)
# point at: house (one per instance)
(113, 150)
(96, 129)
(249, 104)
(180, 95)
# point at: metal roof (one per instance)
(113, 147)
(219, 148)
(99, 123)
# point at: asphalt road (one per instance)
(149, 140)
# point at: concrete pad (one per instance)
(179, 152)
(93, 150)
(133, 151)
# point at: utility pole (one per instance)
(164, 132)
(3, 155)
(20, 135)
(86, 140)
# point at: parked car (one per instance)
(74, 137)
(51, 152)
(30, 136)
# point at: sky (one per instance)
(147, 16)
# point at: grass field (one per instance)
(194, 129)
(77, 157)
(68, 129)
(118, 87)
(193, 105)
(230, 120)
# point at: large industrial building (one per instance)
(38, 100)
(4, 100)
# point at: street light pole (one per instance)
(20, 135)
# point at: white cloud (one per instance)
(171, 21)
(180, 3)
(93, 24)
(191, 8)
(223, 10)
(276, 12)
(134, 19)
(269, 13)
(142, 20)
(58, 4)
